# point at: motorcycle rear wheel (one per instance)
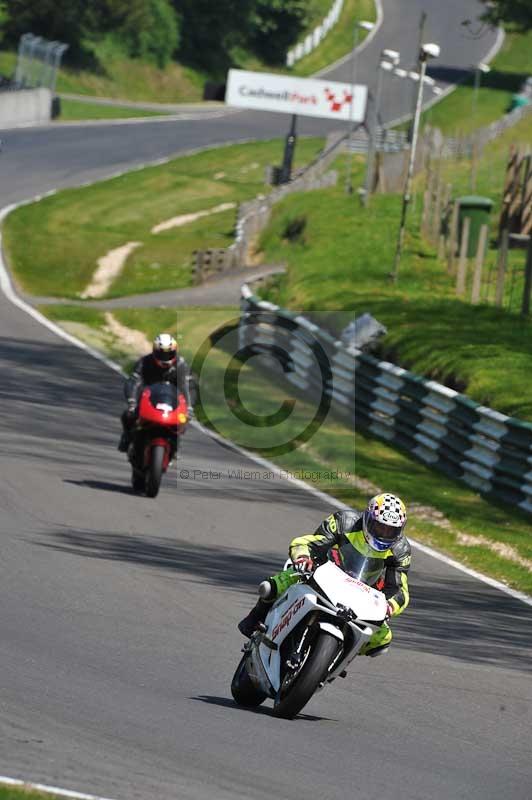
(243, 691)
(155, 471)
(312, 674)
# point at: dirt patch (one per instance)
(184, 219)
(500, 548)
(109, 268)
(133, 341)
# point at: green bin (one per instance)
(478, 209)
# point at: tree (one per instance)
(140, 28)
(276, 26)
(211, 29)
(53, 19)
(158, 39)
(513, 12)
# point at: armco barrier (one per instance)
(489, 451)
(25, 106)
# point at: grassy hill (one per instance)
(339, 266)
(458, 115)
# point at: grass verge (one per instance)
(443, 514)
(339, 41)
(20, 793)
(457, 114)
(77, 110)
(339, 266)
(72, 229)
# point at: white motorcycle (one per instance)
(311, 634)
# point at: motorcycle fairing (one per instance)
(285, 614)
(367, 603)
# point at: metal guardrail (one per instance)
(318, 34)
(386, 141)
(485, 449)
(38, 61)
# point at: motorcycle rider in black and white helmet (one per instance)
(163, 364)
(376, 534)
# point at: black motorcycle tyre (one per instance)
(155, 471)
(313, 672)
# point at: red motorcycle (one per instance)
(162, 419)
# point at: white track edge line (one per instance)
(55, 790)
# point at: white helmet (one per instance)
(165, 350)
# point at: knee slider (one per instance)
(267, 591)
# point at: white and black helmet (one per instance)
(384, 521)
(165, 350)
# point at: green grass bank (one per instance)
(72, 229)
(460, 114)
(339, 266)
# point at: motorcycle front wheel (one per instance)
(155, 471)
(312, 673)
(137, 481)
(243, 691)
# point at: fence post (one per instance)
(453, 238)
(479, 264)
(436, 215)
(501, 266)
(526, 214)
(525, 307)
(462, 264)
(442, 234)
(427, 198)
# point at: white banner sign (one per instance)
(262, 91)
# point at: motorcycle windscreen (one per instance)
(361, 565)
(341, 588)
(163, 394)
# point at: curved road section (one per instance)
(117, 628)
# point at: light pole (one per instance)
(426, 51)
(480, 69)
(389, 60)
(365, 26)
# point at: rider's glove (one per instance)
(303, 564)
(131, 408)
(389, 611)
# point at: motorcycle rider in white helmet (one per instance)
(163, 364)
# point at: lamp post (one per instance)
(480, 69)
(389, 60)
(365, 26)
(426, 51)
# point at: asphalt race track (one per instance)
(117, 624)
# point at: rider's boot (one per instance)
(123, 443)
(258, 613)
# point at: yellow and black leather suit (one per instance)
(342, 526)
